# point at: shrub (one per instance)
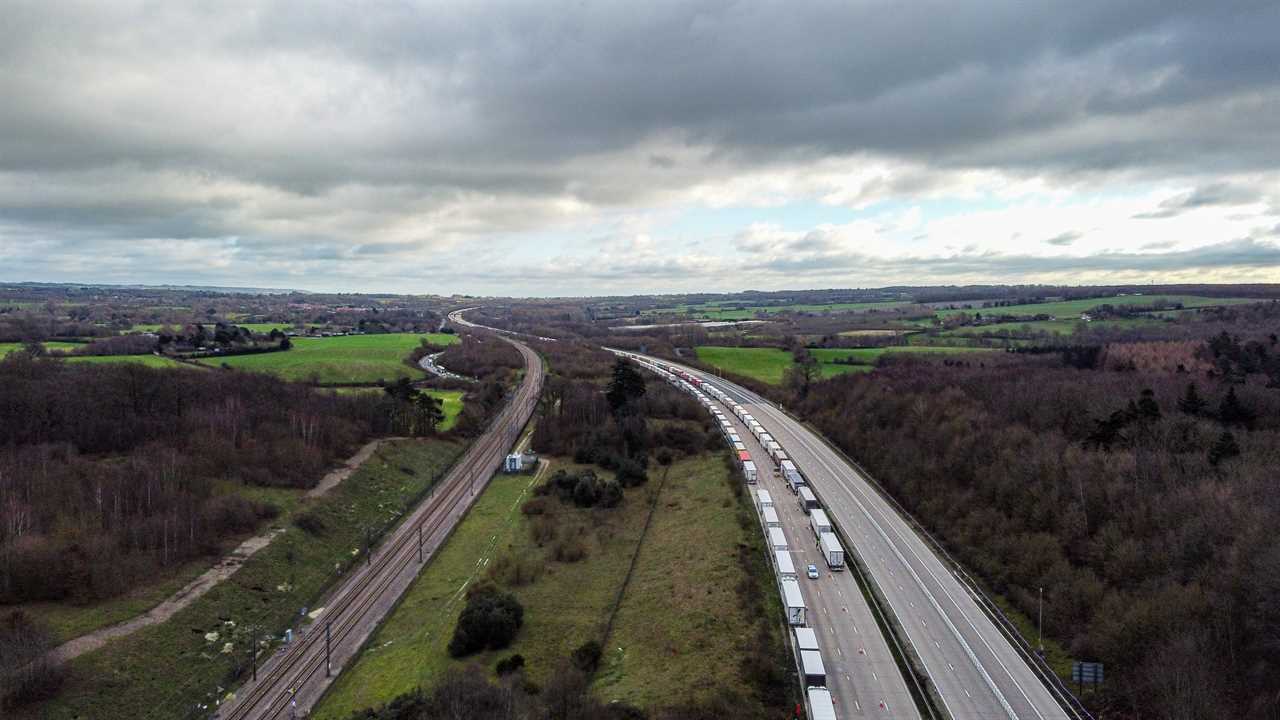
(610, 494)
(631, 473)
(310, 522)
(508, 665)
(490, 621)
(535, 506)
(544, 530)
(569, 550)
(587, 656)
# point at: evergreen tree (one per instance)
(1225, 448)
(1192, 403)
(1148, 408)
(626, 386)
(1233, 412)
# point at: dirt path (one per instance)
(225, 568)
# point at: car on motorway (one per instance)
(812, 571)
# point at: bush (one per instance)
(490, 621)
(508, 665)
(587, 657)
(569, 550)
(631, 473)
(535, 506)
(310, 523)
(610, 494)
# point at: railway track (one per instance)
(294, 679)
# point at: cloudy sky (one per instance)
(551, 148)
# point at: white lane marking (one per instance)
(973, 658)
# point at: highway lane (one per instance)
(291, 681)
(976, 671)
(862, 676)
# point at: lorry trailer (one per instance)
(792, 475)
(763, 498)
(786, 566)
(749, 471)
(777, 540)
(794, 602)
(831, 549)
(820, 705)
(771, 518)
(815, 673)
(819, 523)
(806, 499)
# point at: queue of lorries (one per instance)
(808, 653)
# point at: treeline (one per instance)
(108, 472)
(620, 426)
(1143, 501)
(482, 356)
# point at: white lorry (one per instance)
(832, 551)
(819, 523)
(794, 602)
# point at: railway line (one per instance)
(293, 680)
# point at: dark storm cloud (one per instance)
(326, 130)
(1216, 194)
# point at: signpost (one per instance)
(1086, 672)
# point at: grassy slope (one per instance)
(1073, 308)
(163, 670)
(695, 522)
(679, 627)
(346, 359)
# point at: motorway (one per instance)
(975, 670)
(862, 675)
(293, 680)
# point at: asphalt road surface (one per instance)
(975, 670)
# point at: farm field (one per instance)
(870, 355)
(149, 360)
(1073, 308)
(770, 364)
(252, 327)
(340, 360)
(132, 676)
(6, 348)
(687, 570)
(1054, 327)
(718, 311)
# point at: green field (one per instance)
(52, 345)
(738, 311)
(263, 328)
(869, 356)
(1073, 308)
(339, 360)
(769, 364)
(686, 573)
(149, 360)
(1053, 327)
(164, 670)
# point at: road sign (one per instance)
(1086, 672)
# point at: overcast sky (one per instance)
(549, 148)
